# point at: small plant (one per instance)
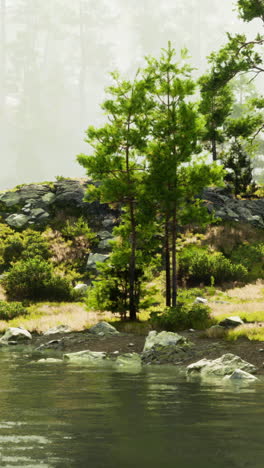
(10, 310)
(182, 317)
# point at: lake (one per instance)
(55, 415)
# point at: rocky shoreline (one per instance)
(125, 349)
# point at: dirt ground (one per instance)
(211, 348)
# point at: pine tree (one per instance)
(117, 163)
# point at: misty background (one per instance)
(55, 59)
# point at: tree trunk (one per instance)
(132, 266)
(214, 149)
(167, 261)
(174, 258)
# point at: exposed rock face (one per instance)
(230, 209)
(103, 328)
(69, 193)
(165, 348)
(37, 204)
(93, 259)
(220, 367)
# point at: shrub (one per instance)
(183, 316)
(35, 279)
(10, 310)
(199, 265)
(251, 256)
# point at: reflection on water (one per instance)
(61, 416)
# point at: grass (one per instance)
(253, 332)
(45, 315)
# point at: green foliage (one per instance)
(16, 246)
(239, 170)
(78, 228)
(250, 9)
(35, 279)
(251, 256)
(183, 316)
(10, 310)
(199, 265)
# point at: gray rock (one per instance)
(239, 374)
(220, 367)
(162, 339)
(103, 328)
(10, 198)
(129, 362)
(36, 212)
(104, 235)
(86, 357)
(104, 244)
(16, 335)
(17, 220)
(231, 322)
(58, 329)
(200, 300)
(48, 198)
(93, 259)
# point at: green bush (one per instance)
(182, 317)
(10, 310)
(17, 246)
(35, 279)
(251, 256)
(199, 265)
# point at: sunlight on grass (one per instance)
(43, 316)
(254, 332)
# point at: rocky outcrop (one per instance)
(36, 204)
(165, 348)
(225, 365)
(224, 206)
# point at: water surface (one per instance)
(60, 416)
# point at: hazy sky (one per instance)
(55, 56)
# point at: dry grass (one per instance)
(247, 302)
(254, 332)
(43, 316)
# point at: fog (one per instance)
(55, 59)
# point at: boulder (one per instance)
(231, 322)
(239, 374)
(103, 328)
(172, 354)
(58, 329)
(129, 361)
(200, 300)
(220, 367)
(48, 198)
(86, 357)
(17, 220)
(15, 335)
(162, 339)
(93, 259)
(10, 199)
